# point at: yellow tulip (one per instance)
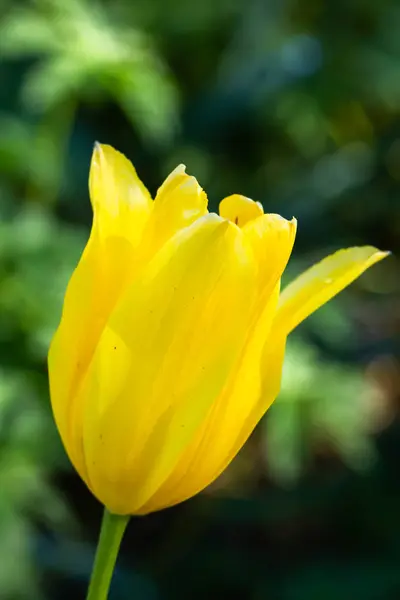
(172, 336)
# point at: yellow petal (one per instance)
(163, 358)
(121, 203)
(70, 350)
(272, 238)
(121, 208)
(239, 209)
(321, 282)
(178, 203)
(230, 422)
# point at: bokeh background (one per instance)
(294, 103)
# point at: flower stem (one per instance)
(112, 531)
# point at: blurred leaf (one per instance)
(82, 53)
(320, 405)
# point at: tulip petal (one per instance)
(121, 208)
(239, 209)
(272, 238)
(72, 344)
(178, 203)
(321, 282)
(121, 203)
(163, 359)
(236, 413)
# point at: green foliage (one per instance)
(322, 405)
(82, 54)
(78, 54)
(25, 466)
(36, 258)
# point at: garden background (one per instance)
(294, 103)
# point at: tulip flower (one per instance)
(172, 336)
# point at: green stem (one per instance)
(112, 531)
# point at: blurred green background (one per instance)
(294, 103)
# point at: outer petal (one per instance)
(229, 423)
(321, 282)
(272, 238)
(178, 203)
(121, 203)
(162, 360)
(121, 207)
(254, 382)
